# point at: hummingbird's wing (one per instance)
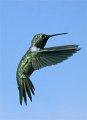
(53, 55)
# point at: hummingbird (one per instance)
(38, 57)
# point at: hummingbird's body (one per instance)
(38, 57)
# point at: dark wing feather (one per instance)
(53, 55)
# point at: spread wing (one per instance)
(53, 55)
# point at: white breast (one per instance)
(34, 48)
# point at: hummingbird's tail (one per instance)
(26, 86)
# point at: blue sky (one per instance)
(61, 90)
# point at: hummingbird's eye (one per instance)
(43, 36)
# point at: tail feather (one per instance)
(26, 88)
(31, 84)
(31, 87)
(21, 93)
(24, 93)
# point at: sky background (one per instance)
(61, 90)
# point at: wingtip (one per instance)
(78, 47)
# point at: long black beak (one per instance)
(56, 34)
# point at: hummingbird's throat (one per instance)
(34, 48)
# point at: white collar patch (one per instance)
(34, 48)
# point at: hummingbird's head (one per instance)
(39, 40)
